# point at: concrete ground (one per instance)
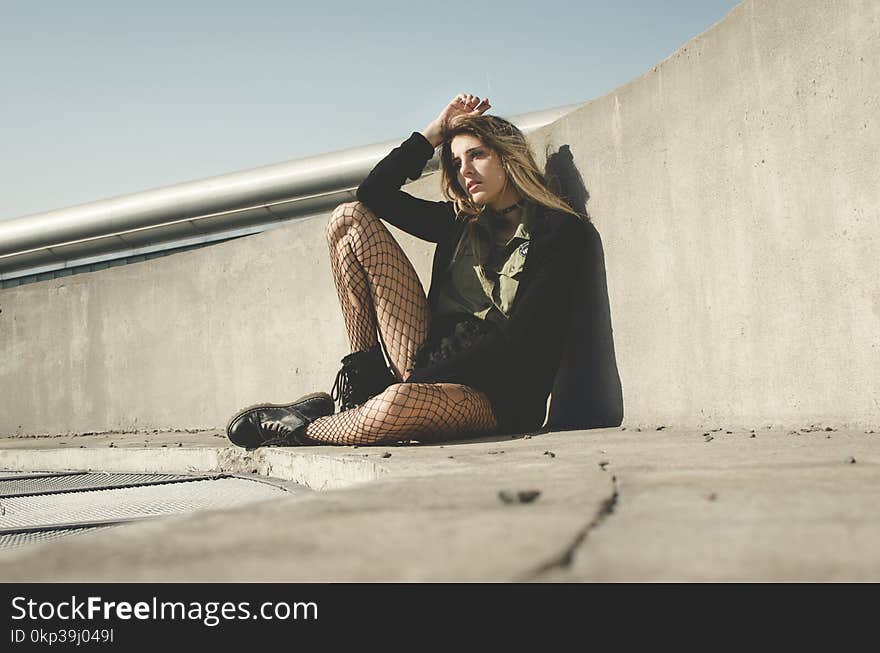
(606, 505)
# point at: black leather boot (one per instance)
(364, 374)
(282, 425)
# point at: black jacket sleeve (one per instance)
(530, 340)
(380, 191)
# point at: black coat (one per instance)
(515, 366)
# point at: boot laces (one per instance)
(279, 433)
(342, 388)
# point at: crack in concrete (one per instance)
(565, 559)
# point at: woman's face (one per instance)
(480, 171)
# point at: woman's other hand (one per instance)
(461, 105)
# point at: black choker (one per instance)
(510, 208)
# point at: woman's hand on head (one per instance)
(462, 104)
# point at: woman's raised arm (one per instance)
(462, 104)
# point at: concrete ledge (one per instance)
(317, 472)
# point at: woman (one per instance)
(478, 354)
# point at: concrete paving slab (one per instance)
(818, 523)
(615, 505)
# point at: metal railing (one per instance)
(196, 212)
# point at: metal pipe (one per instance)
(203, 209)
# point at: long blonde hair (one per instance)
(510, 144)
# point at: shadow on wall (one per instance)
(587, 391)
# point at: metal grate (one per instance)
(39, 507)
(33, 484)
(23, 538)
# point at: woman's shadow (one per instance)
(587, 391)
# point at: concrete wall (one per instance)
(182, 341)
(735, 189)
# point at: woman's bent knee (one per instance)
(396, 393)
(381, 412)
(345, 216)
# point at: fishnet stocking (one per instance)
(378, 289)
(381, 297)
(427, 412)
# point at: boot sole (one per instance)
(314, 395)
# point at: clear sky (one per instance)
(106, 97)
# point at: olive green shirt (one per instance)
(483, 275)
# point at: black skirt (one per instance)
(443, 358)
(451, 336)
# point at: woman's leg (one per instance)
(379, 292)
(427, 412)
(378, 288)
